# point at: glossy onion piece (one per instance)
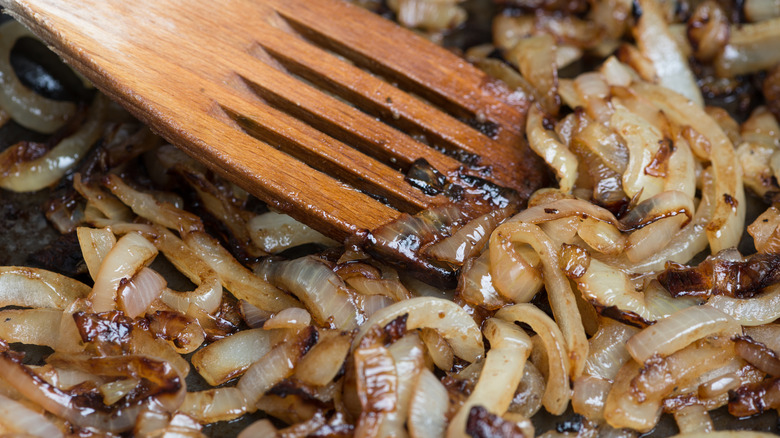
(563, 162)
(725, 228)
(26, 107)
(27, 176)
(469, 239)
(679, 330)
(500, 376)
(275, 366)
(230, 357)
(408, 354)
(33, 287)
(325, 360)
(513, 272)
(428, 407)
(657, 44)
(535, 57)
(449, 319)
(145, 287)
(17, 418)
(590, 396)
(557, 392)
(475, 284)
(130, 254)
(146, 206)
(208, 293)
(95, 244)
(643, 141)
(755, 311)
(559, 292)
(751, 47)
(376, 385)
(608, 350)
(215, 404)
(240, 281)
(31, 326)
(274, 232)
(319, 288)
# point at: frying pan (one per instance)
(27, 238)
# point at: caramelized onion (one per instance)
(211, 405)
(230, 357)
(32, 287)
(554, 153)
(130, 254)
(274, 232)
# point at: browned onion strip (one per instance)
(230, 357)
(146, 206)
(725, 228)
(554, 153)
(376, 385)
(643, 141)
(765, 231)
(130, 254)
(446, 317)
(212, 405)
(622, 409)
(758, 355)
(500, 376)
(557, 392)
(679, 330)
(32, 287)
(324, 361)
(25, 106)
(658, 45)
(475, 284)
(559, 291)
(468, 240)
(240, 281)
(31, 326)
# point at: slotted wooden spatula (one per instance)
(317, 107)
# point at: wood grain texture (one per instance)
(222, 80)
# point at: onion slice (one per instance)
(428, 407)
(33, 287)
(679, 330)
(17, 418)
(755, 311)
(212, 405)
(449, 319)
(230, 357)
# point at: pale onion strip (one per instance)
(17, 418)
(608, 349)
(103, 201)
(475, 284)
(324, 361)
(291, 318)
(590, 396)
(408, 353)
(235, 277)
(448, 318)
(693, 418)
(662, 304)
(113, 391)
(725, 228)
(469, 239)
(438, 349)
(33, 287)
(51, 167)
(767, 334)
(604, 285)
(688, 242)
(558, 392)
(681, 170)
(25, 106)
(623, 409)
(660, 206)
(259, 428)
(428, 407)
(563, 162)
(320, 289)
(146, 206)
(276, 365)
(617, 74)
(602, 236)
(139, 293)
(31, 326)
(215, 404)
(594, 91)
(679, 330)
(503, 369)
(755, 311)
(727, 434)
(208, 293)
(230, 357)
(514, 277)
(131, 253)
(95, 244)
(658, 45)
(391, 288)
(559, 292)
(535, 57)
(760, 10)
(642, 140)
(646, 241)
(274, 232)
(751, 47)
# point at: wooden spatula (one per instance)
(317, 107)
